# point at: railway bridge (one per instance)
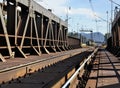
(28, 28)
(35, 51)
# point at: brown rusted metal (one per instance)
(19, 67)
(114, 47)
(116, 30)
(52, 71)
(29, 29)
(74, 42)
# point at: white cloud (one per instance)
(81, 15)
(83, 11)
(59, 8)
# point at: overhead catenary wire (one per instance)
(114, 2)
(92, 8)
(93, 11)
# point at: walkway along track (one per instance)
(105, 72)
(45, 77)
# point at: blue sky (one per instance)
(81, 14)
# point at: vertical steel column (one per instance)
(11, 16)
(25, 29)
(57, 32)
(5, 33)
(59, 35)
(118, 34)
(42, 31)
(114, 38)
(16, 25)
(66, 39)
(52, 36)
(39, 53)
(45, 36)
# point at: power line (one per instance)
(92, 7)
(38, 0)
(94, 12)
(114, 2)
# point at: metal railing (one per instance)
(67, 84)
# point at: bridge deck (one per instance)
(19, 67)
(105, 72)
(47, 77)
(20, 61)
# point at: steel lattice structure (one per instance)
(116, 30)
(27, 28)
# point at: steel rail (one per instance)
(66, 85)
(37, 61)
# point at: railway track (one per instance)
(18, 67)
(52, 71)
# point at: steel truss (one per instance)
(116, 30)
(27, 28)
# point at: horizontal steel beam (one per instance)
(22, 69)
(38, 8)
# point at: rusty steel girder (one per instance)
(29, 29)
(116, 30)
